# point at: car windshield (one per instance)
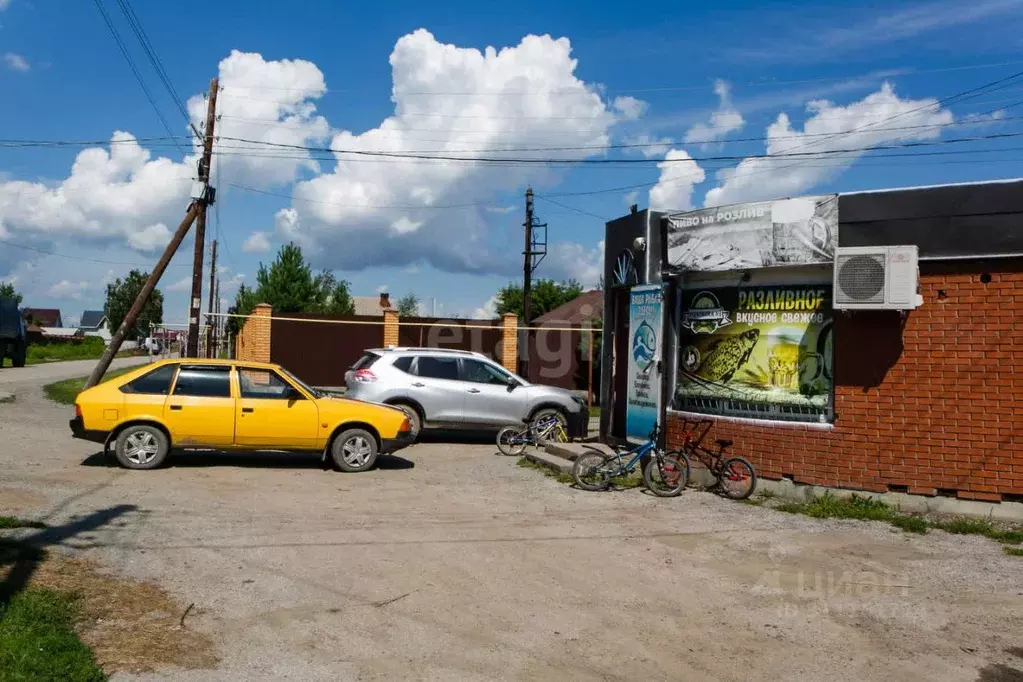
(307, 387)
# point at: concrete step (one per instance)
(550, 461)
(571, 451)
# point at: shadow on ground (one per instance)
(256, 460)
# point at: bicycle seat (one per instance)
(724, 442)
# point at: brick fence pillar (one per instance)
(510, 342)
(254, 338)
(390, 328)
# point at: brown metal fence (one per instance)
(561, 356)
(320, 353)
(435, 332)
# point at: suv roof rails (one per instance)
(424, 349)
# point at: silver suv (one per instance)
(458, 389)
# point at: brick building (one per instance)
(923, 401)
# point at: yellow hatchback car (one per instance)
(224, 404)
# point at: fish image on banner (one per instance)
(762, 351)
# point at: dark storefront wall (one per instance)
(927, 403)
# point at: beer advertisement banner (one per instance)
(646, 320)
(756, 351)
(802, 231)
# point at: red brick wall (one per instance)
(930, 404)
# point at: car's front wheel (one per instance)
(141, 446)
(354, 450)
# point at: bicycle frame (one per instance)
(636, 453)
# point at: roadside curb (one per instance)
(549, 461)
(571, 451)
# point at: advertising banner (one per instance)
(646, 316)
(756, 351)
(801, 231)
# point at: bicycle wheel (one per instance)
(592, 470)
(737, 478)
(667, 475)
(511, 440)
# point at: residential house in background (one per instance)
(95, 323)
(586, 307)
(43, 317)
(372, 305)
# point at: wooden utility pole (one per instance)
(200, 200)
(216, 319)
(140, 301)
(532, 254)
(213, 284)
(195, 308)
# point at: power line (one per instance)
(134, 70)
(84, 258)
(619, 161)
(147, 46)
(571, 208)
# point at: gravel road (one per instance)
(450, 562)
(14, 378)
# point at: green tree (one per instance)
(121, 294)
(408, 305)
(546, 296)
(289, 286)
(7, 291)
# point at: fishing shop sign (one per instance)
(756, 352)
(646, 319)
(802, 231)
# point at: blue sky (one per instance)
(658, 74)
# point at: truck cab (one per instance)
(13, 333)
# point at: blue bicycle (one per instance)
(665, 475)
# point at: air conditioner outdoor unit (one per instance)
(876, 278)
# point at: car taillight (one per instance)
(364, 376)
(78, 410)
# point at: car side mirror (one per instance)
(512, 383)
(294, 394)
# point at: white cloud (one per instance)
(487, 311)
(650, 146)
(4, 4)
(16, 62)
(830, 127)
(724, 120)
(183, 284)
(123, 194)
(268, 102)
(631, 197)
(67, 290)
(629, 107)
(674, 188)
(256, 243)
(350, 205)
(382, 289)
(570, 260)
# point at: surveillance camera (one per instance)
(639, 244)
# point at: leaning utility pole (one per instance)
(201, 198)
(213, 284)
(192, 349)
(535, 250)
(216, 319)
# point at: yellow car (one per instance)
(224, 404)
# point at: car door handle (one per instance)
(176, 408)
(474, 390)
(247, 409)
(417, 384)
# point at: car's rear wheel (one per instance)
(354, 450)
(415, 422)
(141, 446)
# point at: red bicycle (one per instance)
(736, 478)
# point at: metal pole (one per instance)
(527, 276)
(213, 284)
(143, 297)
(589, 382)
(195, 307)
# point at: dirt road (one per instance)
(453, 563)
(12, 378)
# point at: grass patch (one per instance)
(828, 506)
(65, 392)
(595, 411)
(1013, 551)
(8, 522)
(38, 640)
